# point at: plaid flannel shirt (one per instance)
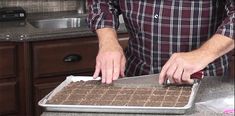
(159, 28)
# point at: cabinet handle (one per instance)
(72, 58)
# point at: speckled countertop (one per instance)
(21, 31)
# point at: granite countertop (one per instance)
(211, 88)
(21, 31)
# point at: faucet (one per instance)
(81, 6)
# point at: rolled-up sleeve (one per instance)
(102, 14)
(227, 27)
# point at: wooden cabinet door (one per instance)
(41, 90)
(9, 88)
(7, 61)
(8, 98)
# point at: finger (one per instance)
(116, 68)
(103, 72)
(170, 72)
(109, 71)
(162, 76)
(178, 75)
(186, 78)
(97, 70)
(172, 81)
(123, 66)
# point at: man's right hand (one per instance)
(110, 60)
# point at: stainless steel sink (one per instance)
(59, 23)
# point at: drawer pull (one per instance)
(72, 58)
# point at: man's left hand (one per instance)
(181, 66)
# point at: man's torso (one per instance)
(160, 28)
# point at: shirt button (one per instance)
(156, 16)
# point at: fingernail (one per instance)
(108, 82)
(115, 78)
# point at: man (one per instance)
(174, 38)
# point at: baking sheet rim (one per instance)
(93, 108)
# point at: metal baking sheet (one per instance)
(112, 109)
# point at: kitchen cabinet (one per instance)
(30, 70)
(7, 61)
(54, 60)
(63, 57)
(40, 90)
(9, 98)
(9, 87)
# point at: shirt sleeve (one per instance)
(227, 27)
(103, 13)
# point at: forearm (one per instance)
(110, 60)
(107, 37)
(215, 47)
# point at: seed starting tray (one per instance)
(83, 94)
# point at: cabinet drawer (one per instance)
(63, 57)
(8, 98)
(7, 61)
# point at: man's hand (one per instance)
(181, 66)
(110, 60)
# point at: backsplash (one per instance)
(32, 6)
